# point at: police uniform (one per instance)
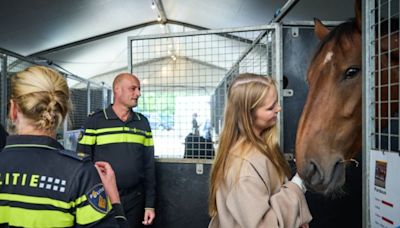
(128, 147)
(43, 185)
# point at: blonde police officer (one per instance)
(41, 184)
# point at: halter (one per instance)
(350, 160)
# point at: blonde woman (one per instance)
(249, 186)
(41, 184)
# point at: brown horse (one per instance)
(329, 132)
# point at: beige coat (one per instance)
(251, 201)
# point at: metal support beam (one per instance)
(280, 13)
(88, 99)
(91, 39)
(160, 11)
(368, 105)
(309, 24)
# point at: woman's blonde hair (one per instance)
(246, 94)
(42, 96)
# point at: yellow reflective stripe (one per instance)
(110, 129)
(87, 214)
(90, 131)
(80, 200)
(42, 200)
(148, 142)
(115, 129)
(35, 200)
(124, 137)
(88, 140)
(34, 218)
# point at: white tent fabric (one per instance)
(89, 38)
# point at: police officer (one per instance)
(124, 139)
(41, 184)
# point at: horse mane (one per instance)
(344, 30)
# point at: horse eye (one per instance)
(351, 72)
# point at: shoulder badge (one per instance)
(76, 155)
(97, 198)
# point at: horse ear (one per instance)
(357, 8)
(320, 30)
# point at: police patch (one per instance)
(97, 198)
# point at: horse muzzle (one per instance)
(325, 179)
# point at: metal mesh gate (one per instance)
(184, 79)
(381, 113)
(383, 70)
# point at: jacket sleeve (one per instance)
(119, 216)
(149, 170)
(252, 205)
(92, 205)
(87, 139)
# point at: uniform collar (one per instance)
(32, 141)
(110, 114)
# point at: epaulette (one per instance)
(139, 115)
(75, 155)
(94, 112)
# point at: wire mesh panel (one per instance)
(86, 98)
(99, 95)
(9, 66)
(381, 117)
(185, 78)
(384, 63)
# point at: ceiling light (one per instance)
(153, 5)
(159, 18)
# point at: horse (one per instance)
(329, 132)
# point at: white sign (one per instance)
(384, 186)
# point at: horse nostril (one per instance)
(315, 175)
(338, 170)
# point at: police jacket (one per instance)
(43, 185)
(127, 146)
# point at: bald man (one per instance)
(123, 138)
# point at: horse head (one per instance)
(329, 133)
(329, 130)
